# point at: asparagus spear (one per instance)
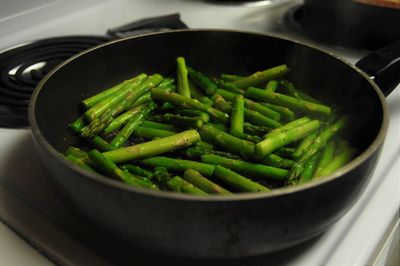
(309, 169)
(79, 162)
(136, 120)
(167, 106)
(101, 118)
(247, 168)
(326, 156)
(197, 152)
(120, 120)
(237, 181)
(202, 81)
(272, 85)
(304, 144)
(154, 147)
(185, 102)
(251, 138)
(161, 176)
(288, 101)
(113, 99)
(221, 104)
(227, 141)
(179, 184)
(133, 96)
(89, 102)
(195, 178)
(285, 112)
(290, 125)
(338, 161)
(161, 126)
(130, 127)
(96, 125)
(258, 119)
(270, 144)
(178, 165)
(101, 144)
(77, 152)
(182, 77)
(264, 110)
(79, 157)
(197, 94)
(178, 120)
(106, 166)
(230, 77)
(136, 170)
(285, 152)
(229, 96)
(317, 144)
(237, 116)
(260, 77)
(175, 183)
(167, 84)
(292, 91)
(205, 145)
(145, 98)
(277, 161)
(150, 133)
(251, 129)
(97, 141)
(192, 113)
(251, 116)
(229, 86)
(77, 125)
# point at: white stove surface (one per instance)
(356, 239)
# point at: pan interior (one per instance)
(212, 52)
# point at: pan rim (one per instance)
(278, 192)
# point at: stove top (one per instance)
(29, 205)
(24, 65)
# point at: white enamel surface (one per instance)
(351, 241)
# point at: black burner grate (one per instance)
(23, 66)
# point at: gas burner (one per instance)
(23, 66)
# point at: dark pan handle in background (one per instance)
(383, 66)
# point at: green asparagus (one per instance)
(185, 102)
(238, 181)
(240, 136)
(260, 77)
(114, 99)
(227, 141)
(106, 166)
(315, 146)
(154, 147)
(195, 178)
(270, 144)
(237, 116)
(182, 77)
(178, 165)
(202, 81)
(247, 168)
(288, 101)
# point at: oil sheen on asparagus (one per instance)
(204, 134)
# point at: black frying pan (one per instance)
(185, 225)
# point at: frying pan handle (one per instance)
(383, 66)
